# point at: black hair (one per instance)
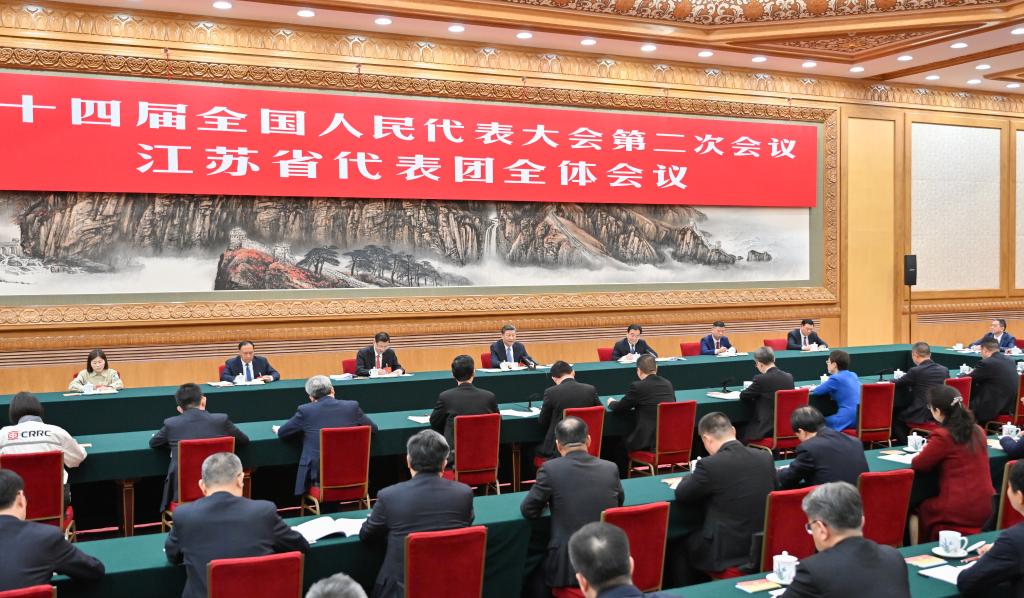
(807, 419)
(957, 419)
(560, 368)
(840, 358)
(647, 364)
(382, 337)
(718, 324)
(93, 355)
(463, 367)
(1016, 478)
(507, 327)
(714, 424)
(188, 395)
(571, 430)
(10, 485)
(807, 321)
(22, 404)
(600, 553)
(244, 343)
(635, 327)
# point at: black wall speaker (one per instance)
(910, 270)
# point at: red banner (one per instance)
(60, 133)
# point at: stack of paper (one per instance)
(514, 413)
(731, 396)
(420, 419)
(220, 383)
(321, 527)
(757, 585)
(924, 560)
(994, 443)
(671, 482)
(905, 458)
(342, 376)
(946, 573)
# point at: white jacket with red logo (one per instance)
(31, 435)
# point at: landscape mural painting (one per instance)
(57, 243)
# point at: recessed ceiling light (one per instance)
(932, 77)
(222, 5)
(306, 13)
(382, 21)
(958, 46)
(648, 48)
(1012, 85)
(973, 81)
(905, 58)
(759, 59)
(456, 28)
(810, 64)
(1018, 31)
(524, 35)
(588, 41)
(705, 53)
(983, 67)
(856, 69)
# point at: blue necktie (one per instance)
(248, 372)
(510, 355)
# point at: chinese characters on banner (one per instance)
(60, 133)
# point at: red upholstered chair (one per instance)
(784, 526)
(43, 474)
(191, 454)
(963, 386)
(646, 526)
(32, 592)
(784, 438)
(1019, 342)
(1016, 418)
(344, 469)
(220, 370)
(886, 499)
(874, 418)
(476, 451)
(348, 366)
(568, 592)
(776, 344)
(1007, 516)
(448, 563)
(270, 575)
(673, 440)
(603, 354)
(689, 349)
(485, 360)
(594, 418)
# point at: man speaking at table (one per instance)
(994, 383)
(716, 342)
(801, 339)
(507, 349)
(997, 331)
(632, 344)
(378, 356)
(248, 366)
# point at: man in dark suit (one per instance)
(1000, 567)
(248, 366)
(761, 394)
(716, 342)
(801, 339)
(994, 383)
(225, 525)
(567, 393)
(427, 502)
(506, 349)
(847, 564)
(33, 552)
(194, 422)
(323, 411)
(726, 491)
(600, 554)
(464, 399)
(632, 344)
(379, 356)
(577, 487)
(824, 455)
(997, 331)
(918, 380)
(644, 395)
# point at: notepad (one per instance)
(729, 396)
(321, 527)
(924, 560)
(732, 355)
(342, 376)
(420, 419)
(220, 383)
(672, 482)
(946, 573)
(753, 586)
(516, 413)
(664, 359)
(905, 458)
(994, 443)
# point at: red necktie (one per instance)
(378, 361)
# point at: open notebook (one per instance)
(946, 573)
(321, 527)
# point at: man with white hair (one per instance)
(338, 585)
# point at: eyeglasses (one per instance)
(809, 526)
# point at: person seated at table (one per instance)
(338, 585)
(997, 332)
(994, 383)
(379, 356)
(725, 494)
(30, 434)
(98, 373)
(567, 393)
(225, 525)
(599, 552)
(1000, 567)
(716, 342)
(761, 394)
(577, 488)
(919, 380)
(193, 422)
(801, 339)
(844, 388)
(847, 564)
(322, 411)
(823, 455)
(248, 366)
(957, 450)
(632, 344)
(644, 396)
(425, 503)
(507, 350)
(33, 552)
(464, 399)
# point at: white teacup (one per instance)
(951, 542)
(747, 383)
(374, 372)
(915, 442)
(824, 378)
(958, 346)
(1010, 430)
(784, 567)
(505, 366)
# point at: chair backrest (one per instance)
(485, 360)
(594, 418)
(1018, 406)
(674, 435)
(1019, 342)
(348, 366)
(963, 386)
(447, 563)
(786, 402)
(43, 474)
(44, 591)
(646, 526)
(886, 499)
(191, 454)
(876, 401)
(689, 349)
(776, 344)
(784, 526)
(1007, 516)
(270, 575)
(220, 370)
(345, 458)
(476, 442)
(603, 354)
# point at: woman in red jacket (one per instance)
(958, 451)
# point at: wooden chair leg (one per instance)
(914, 526)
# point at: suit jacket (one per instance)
(794, 342)
(557, 399)
(427, 502)
(730, 487)
(644, 396)
(260, 367)
(919, 380)
(621, 348)
(34, 551)
(854, 568)
(630, 591)
(707, 344)
(1007, 341)
(1000, 572)
(829, 456)
(499, 354)
(366, 360)
(577, 487)
(327, 412)
(224, 526)
(761, 393)
(464, 399)
(993, 387)
(194, 423)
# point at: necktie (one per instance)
(510, 359)
(378, 361)
(804, 341)
(718, 344)
(632, 348)
(248, 372)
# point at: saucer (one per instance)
(775, 579)
(910, 450)
(937, 551)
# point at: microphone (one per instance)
(530, 363)
(531, 398)
(883, 372)
(725, 384)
